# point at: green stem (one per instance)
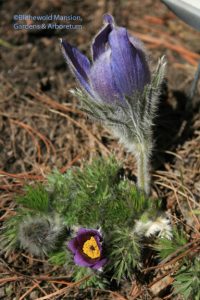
(143, 166)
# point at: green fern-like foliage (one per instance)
(36, 198)
(187, 280)
(59, 258)
(96, 196)
(9, 237)
(166, 247)
(92, 279)
(125, 251)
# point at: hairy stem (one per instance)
(143, 166)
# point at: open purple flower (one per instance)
(87, 248)
(119, 66)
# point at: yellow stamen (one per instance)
(91, 249)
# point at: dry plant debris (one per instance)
(41, 127)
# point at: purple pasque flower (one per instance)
(87, 248)
(119, 66)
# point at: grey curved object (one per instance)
(187, 10)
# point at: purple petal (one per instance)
(102, 79)
(136, 43)
(81, 260)
(73, 245)
(108, 19)
(98, 240)
(99, 264)
(78, 63)
(88, 231)
(99, 44)
(129, 66)
(83, 234)
(144, 71)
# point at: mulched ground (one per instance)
(41, 126)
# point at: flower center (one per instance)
(91, 249)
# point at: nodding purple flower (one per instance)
(118, 90)
(87, 249)
(119, 66)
